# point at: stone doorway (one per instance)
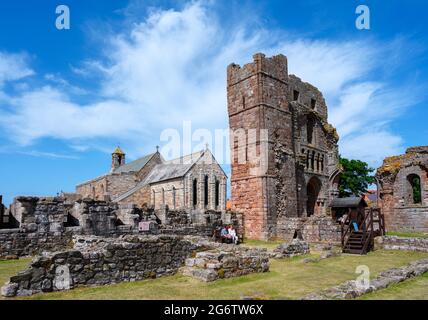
(312, 190)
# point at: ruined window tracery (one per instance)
(310, 129)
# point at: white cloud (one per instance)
(172, 67)
(13, 67)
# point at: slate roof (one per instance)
(134, 166)
(171, 169)
(349, 202)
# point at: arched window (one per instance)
(310, 129)
(217, 193)
(163, 196)
(93, 193)
(206, 193)
(415, 194)
(195, 192)
(173, 197)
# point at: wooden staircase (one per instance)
(361, 241)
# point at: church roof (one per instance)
(168, 170)
(134, 166)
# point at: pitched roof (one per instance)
(134, 166)
(168, 170)
(349, 202)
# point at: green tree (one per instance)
(355, 177)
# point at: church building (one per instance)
(195, 182)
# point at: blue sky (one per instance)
(127, 70)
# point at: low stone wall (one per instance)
(288, 250)
(401, 243)
(15, 243)
(101, 261)
(218, 264)
(313, 229)
(352, 289)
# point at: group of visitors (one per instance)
(229, 233)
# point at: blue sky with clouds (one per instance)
(127, 70)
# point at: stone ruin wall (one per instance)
(95, 261)
(48, 224)
(101, 261)
(396, 202)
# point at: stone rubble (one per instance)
(218, 264)
(287, 250)
(401, 243)
(351, 289)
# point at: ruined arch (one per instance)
(313, 190)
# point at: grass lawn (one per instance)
(414, 289)
(408, 234)
(288, 279)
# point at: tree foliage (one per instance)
(355, 178)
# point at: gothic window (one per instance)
(415, 194)
(217, 193)
(322, 163)
(163, 196)
(310, 125)
(195, 192)
(206, 191)
(173, 197)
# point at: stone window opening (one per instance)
(173, 197)
(71, 221)
(243, 102)
(313, 160)
(93, 193)
(310, 125)
(296, 95)
(313, 103)
(195, 192)
(415, 192)
(322, 163)
(217, 193)
(206, 193)
(318, 162)
(163, 196)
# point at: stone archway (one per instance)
(312, 191)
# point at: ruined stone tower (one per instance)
(284, 152)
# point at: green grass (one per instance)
(413, 289)
(288, 279)
(408, 234)
(10, 268)
(262, 244)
